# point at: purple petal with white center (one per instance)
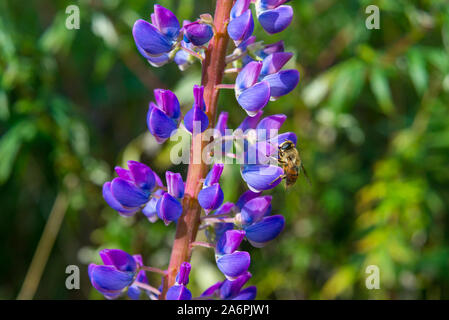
(248, 76)
(178, 292)
(276, 20)
(230, 241)
(120, 259)
(195, 120)
(274, 62)
(175, 185)
(255, 98)
(168, 103)
(245, 197)
(230, 289)
(247, 294)
(234, 264)
(265, 230)
(142, 175)
(198, 33)
(150, 39)
(242, 27)
(107, 279)
(255, 209)
(183, 275)
(214, 174)
(250, 122)
(239, 7)
(210, 198)
(127, 193)
(262, 177)
(168, 208)
(114, 204)
(166, 21)
(282, 82)
(160, 125)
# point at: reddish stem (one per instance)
(213, 70)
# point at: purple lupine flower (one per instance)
(255, 209)
(251, 94)
(155, 40)
(168, 208)
(241, 25)
(229, 242)
(211, 196)
(231, 262)
(273, 15)
(261, 177)
(197, 114)
(134, 291)
(255, 219)
(265, 230)
(281, 82)
(245, 197)
(115, 275)
(131, 189)
(197, 33)
(232, 290)
(257, 172)
(179, 291)
(274, 62)
(163, 116)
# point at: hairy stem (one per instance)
(213, 70)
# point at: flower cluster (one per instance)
(261, 78)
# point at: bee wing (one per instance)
(306, 175)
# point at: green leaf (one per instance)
(10, 144)
(417, 70)
(381, 90)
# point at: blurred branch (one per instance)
(45, 245)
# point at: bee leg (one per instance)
(278, 160)
(280, 177)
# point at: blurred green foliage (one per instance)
(371, 113)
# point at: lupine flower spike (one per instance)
(197, 203)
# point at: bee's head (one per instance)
(286, 145)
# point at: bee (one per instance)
(290, 160)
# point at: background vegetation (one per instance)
(371, 113)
